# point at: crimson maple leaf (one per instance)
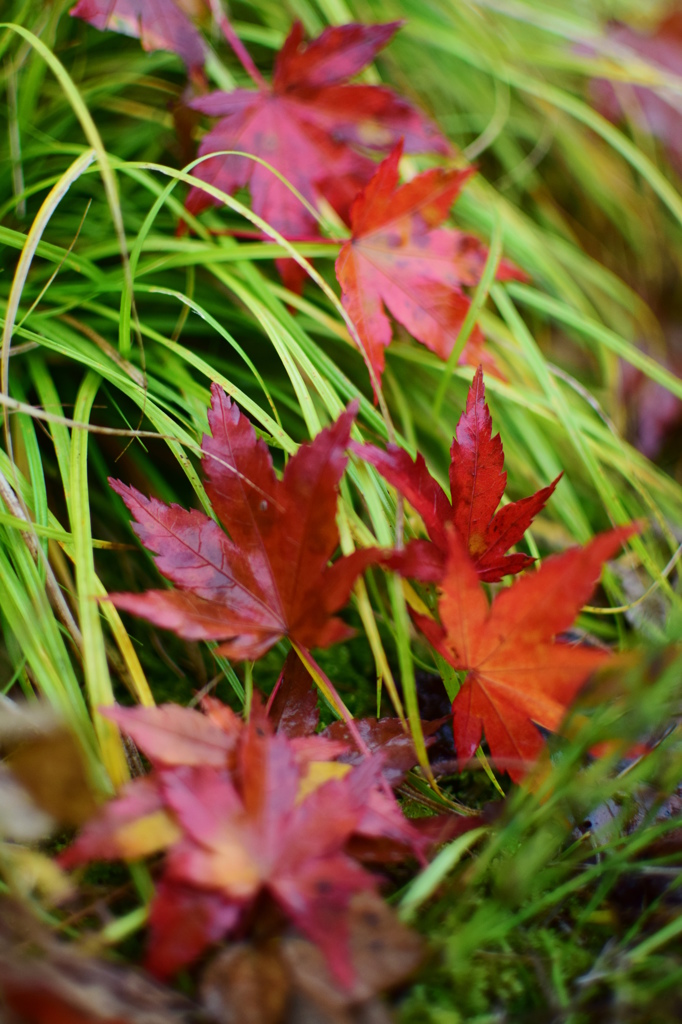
(519, 675)
(270, 577)
(309, 126)
(237, 817)
(477, 484)
(401, 260)
(159, 25)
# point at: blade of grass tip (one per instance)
(480, 295)
(427, 882)
(123, 927)
(97, 679)
(485, 764)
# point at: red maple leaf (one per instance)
(239, 822)
(271, 576)
(401, 260)
(519, 675)
(477, 484)
(158, 24)
(309, 125)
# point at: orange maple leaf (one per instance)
(519, 675)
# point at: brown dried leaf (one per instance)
(47, 761)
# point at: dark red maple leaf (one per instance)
(158, 24)
(519, 675)
(259, 822)
(401, 260)
(310, 125)
(477, 484)
(271, 576)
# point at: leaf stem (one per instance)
(240, 51)
(330, 692)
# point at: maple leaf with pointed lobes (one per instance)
(309, 125)
(242, 816)
(519, 675)
(400, 259)
(269, 578)
(158, 24)
(477, 484)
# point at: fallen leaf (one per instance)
(43, 981)
(266, 822)
(311, 126)
(384, 952)
(158, 24)
(46, 759)
(518, 675)
(385, 737)
(246, 984)
(288, 982)
(134, 825)
(477, 484)
(21, 820)
(399, 259)
(173, 735)
(269, 578)
(294, 709)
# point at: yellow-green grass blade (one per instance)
(97, 679)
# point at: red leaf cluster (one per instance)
(311, 126)
(477, 484)
(269, 578)
(309, 135)
(241, 811)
